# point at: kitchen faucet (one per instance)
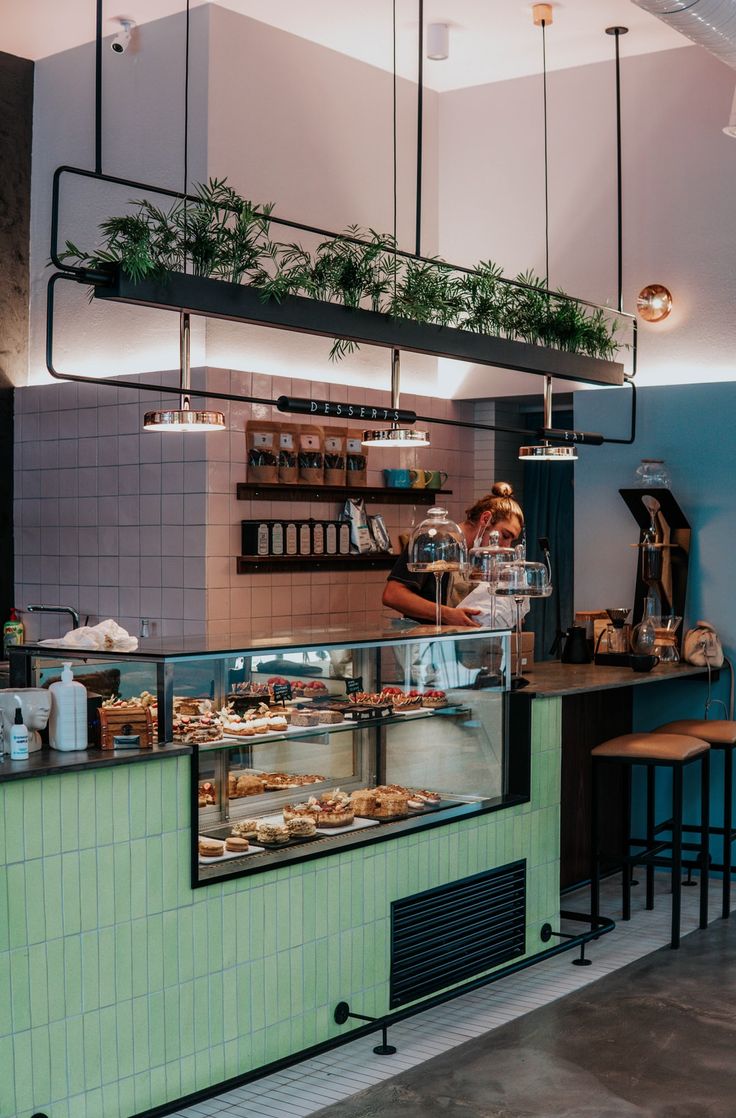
(56, 609)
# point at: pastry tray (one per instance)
(228, 854)
(322, 832)
(412, 813)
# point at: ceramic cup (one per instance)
(437, 479)
(398, 479)
(642, 663)
(420, 478)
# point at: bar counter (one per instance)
(553, 678)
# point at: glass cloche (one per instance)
(484, 563)
(519, 580)
(437, 546)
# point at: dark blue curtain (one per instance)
(548, 511)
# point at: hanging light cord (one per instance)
(420, 125)
(184, 322)
(546, 168)
(395, 355)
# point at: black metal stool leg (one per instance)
(705, 836)
(651, 790)
(595, 857)
(727, 828)
(626, 843)
(676, 853)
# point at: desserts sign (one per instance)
(300, 406)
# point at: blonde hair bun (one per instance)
(502, 489)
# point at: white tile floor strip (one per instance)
(313, 1084)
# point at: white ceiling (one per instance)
(490, 40)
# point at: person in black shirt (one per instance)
(413, 594)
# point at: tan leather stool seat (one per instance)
(720, 731)
(652, 746)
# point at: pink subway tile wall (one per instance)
(100, 510)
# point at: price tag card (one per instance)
(281, 692)
(352, 686)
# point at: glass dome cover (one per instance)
(437, 545)
(523, 579)
(484, 560)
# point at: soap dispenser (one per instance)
(18, 735)
(68, 721)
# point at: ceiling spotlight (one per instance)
(438, 41)
(121, 41)
(654, 302)
(184, 418)
(395, 435)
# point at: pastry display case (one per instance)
(307, 743)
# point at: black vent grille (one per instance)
(451, 933)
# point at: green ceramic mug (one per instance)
(420, 478)
(435, 478)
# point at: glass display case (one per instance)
(307, 743)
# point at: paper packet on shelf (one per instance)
(353, 511)
(379, 531)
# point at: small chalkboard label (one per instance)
(353, 686)
(281, 692)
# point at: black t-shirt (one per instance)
(423, 585)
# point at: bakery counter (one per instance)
(553, 678)
(51, 762)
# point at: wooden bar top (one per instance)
(550, 677)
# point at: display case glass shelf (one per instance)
(305, 743)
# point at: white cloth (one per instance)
(481, 598)
(106, 636)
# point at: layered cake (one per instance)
(272, 833)
(197, 729)
(246, 828)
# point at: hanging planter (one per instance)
(354, 288)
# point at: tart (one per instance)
(301, 826)
(272, 833)
(236, 844)
(434, 699)
(301, 811)
(334, 810)
(211, 848)
(246, 828)
(249, 785)
(406, 702)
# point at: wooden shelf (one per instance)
(271, 564)
(255, 491)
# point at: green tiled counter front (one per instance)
(127, 989)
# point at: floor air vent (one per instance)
(451, 933)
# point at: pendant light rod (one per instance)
(617, 32)
(185, 359)
(420, 127)
(543, 24)
(395, 377)
(98, 89)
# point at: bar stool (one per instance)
(652, 750)
(721, 735)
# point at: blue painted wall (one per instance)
(693, 427)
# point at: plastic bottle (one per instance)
(68, 721)
(14, 631)
(18, 735)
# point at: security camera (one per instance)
(121, 41)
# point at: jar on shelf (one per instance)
(652, 473)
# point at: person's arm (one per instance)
(400, 597)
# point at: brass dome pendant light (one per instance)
(184, 418)
(395, 435)
(545, 451)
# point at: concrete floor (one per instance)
(656, 1039)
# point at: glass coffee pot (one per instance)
(616, 637)
(437, 546)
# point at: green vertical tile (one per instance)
(170, 932)
(7, 1089)
(52, 895)
(124, 1030)
(139, 957)
(57, 1060)
(110, 1099)
(71, 904)
(20, 990)
(169, 798)
(186, 1018)
(137, 802)
(103, 807)
(14, 849)
(39, 985)
(229, 931)
(69, 797)
(172, 1009)
(41, 1057)
(32, 829)
(216, 1009)
(88, 889)
(121, 862)
(108, 1045)
(87, 820)
(229, 1006)
(17, 932)
(156, 1026)
(75, 1054)
(170, 868)
(90, 971)
(153, 775)
(6, 1016)
(4, 914)
(105, 885)
(185, 943)
(126, 1096)
(122, 962)
(155, 952)
(34, 880)
(138, 867)
(55, 977)
(142, 1083)
(154, 872)
(141, 1056)
(106, 940)
(73, 975)
(120, 798)
(23, 1070)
